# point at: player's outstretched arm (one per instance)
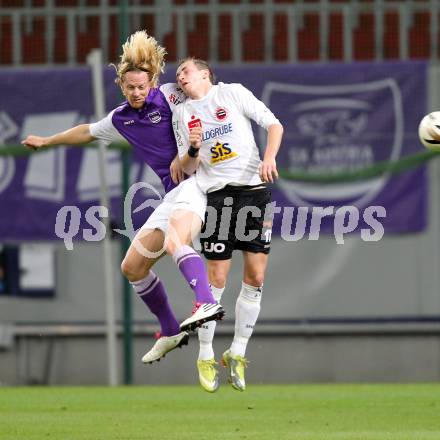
(74, 136)
(268, 168)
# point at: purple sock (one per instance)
(193, 269)
(152, 292)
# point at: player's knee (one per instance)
(125, 267)
(254, 279)
(171, 247)
(217, 276)
(129, 270)
(217, 279)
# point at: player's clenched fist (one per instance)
(195, 137)
(34, 142)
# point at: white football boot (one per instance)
(202, 312)
(165, 344)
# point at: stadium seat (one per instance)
(391, 35)
(308, 38)
(60, 44)
(280, 42)
(225, 38)
(198, 39)
(6, 39)
(419, 36)
(169, 41)
(86, 41)
(335, 37)
(253, 39)
(34, 43)
(364, 39)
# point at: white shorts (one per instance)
(187, 196)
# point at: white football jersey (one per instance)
(229, 154)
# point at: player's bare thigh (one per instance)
(183, 227)
(146, 248)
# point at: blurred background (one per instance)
(352, 288)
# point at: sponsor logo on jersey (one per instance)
(194, 122)
(221, 152)
(221, 113)
(130, 122)
(175, 99)
(155, 117)
(177, 134)
(216, 132)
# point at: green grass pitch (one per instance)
(266, 412)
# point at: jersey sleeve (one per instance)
(252, 107)
(105, 130)
(182, 139)
(173, 95)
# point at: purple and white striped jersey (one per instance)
(149, 129)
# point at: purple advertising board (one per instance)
(336, 118)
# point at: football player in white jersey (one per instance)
(215, 141)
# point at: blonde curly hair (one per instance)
(141, 53)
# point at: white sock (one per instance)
(247, 309)
(206, 331)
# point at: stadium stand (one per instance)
(263, 31)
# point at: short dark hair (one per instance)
(201, 65)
